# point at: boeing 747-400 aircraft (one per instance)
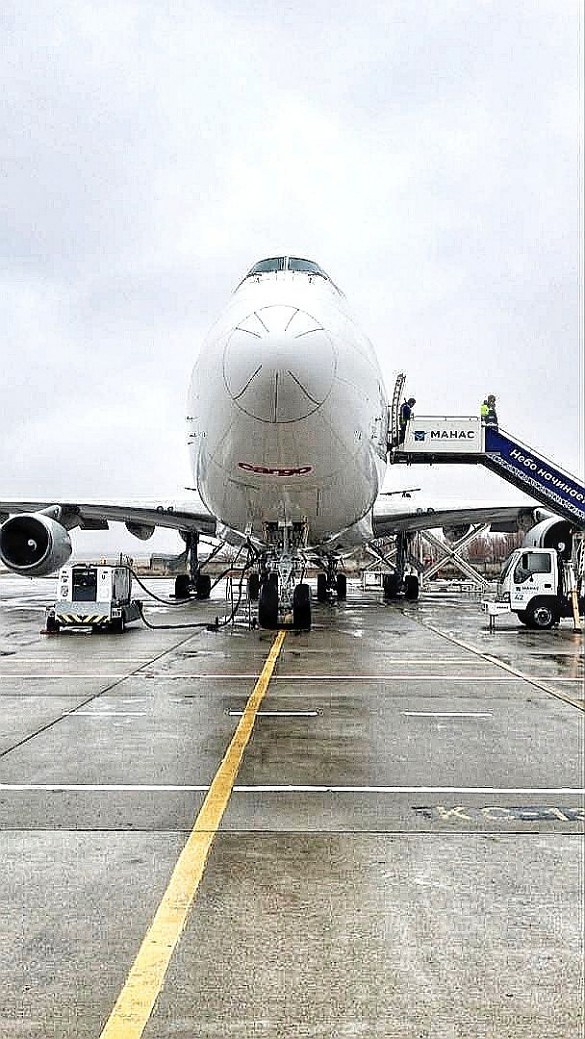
(288, 434)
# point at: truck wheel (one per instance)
(118, 625)
(341, 586)
(321, 587)
(541, 615)
(522, 616)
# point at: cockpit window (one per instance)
(296, 264)
(276, 263)
(288, 263)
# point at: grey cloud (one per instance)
(426, 154)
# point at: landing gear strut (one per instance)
(331, 584)
(284, 599)
(195, 582)
(400, 582)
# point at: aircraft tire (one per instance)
(268, 605)
(253, 587)
(302, 607)
(341, 587)
(411, 587)
(541, 615)
(321, 587)
(182, 586)
(203, 586)
(390, 586)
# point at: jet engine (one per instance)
(551, 533)
(34, 544)
(457, 532)
(144, 531)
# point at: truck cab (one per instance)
(535, 583)
(529, 585)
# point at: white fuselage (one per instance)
(287, 411)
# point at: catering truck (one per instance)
(543, 580)
(93, 595)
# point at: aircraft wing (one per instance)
(393, 516)
(189, 515)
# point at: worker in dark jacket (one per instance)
(405, 416)
(491, 417)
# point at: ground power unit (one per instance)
(93, 595)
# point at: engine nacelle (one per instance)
(144, 531)
(551, 533)
(33, 544)
(456, 532)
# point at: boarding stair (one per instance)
(464, 440)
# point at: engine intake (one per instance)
(33, 544)
(551, 533)
(456, 531)
(144, 531)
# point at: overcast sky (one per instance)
(427, 154)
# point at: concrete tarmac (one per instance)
(401, 855)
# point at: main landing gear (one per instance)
(331, 585)
(195, 583)
(393, 588)
(399, 583)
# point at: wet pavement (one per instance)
(401, 855)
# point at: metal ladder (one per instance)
(394, 417)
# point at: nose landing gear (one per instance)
(284, 611)
(268, 602)
(284, 599)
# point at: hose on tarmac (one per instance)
(217, 624)
(171, 627)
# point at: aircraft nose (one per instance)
(279, 364)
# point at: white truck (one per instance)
(93, 595)
(543, 580)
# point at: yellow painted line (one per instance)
(146, 976)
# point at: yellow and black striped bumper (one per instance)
(81, 618)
